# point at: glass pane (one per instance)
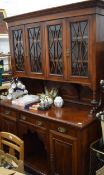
(79, 48)
(18, 49)
(35, 49)
(55, 49)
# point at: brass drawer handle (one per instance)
(61, 129)
(7, 112)
(39, 123)
(23, 117)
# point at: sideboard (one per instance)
(56, 141)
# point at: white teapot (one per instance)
(58, 101)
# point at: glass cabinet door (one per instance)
(78, 49)
(18, 50)
(35, 49)
(55, 49)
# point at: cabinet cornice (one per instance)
(60, 9)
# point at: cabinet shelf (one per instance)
(38, 163)
(6, 74)
(80, 61)
(79, 38)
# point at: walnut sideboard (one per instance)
(57, 140)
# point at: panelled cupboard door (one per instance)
(17, 43)
(79, 49)
(55, 49)
(35, 52)
(63, 154)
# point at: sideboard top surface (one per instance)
(71, 114)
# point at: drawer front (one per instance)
(7, 112)
(64, 129)
(35, 121)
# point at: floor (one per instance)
(26, 173)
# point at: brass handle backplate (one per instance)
(7, 112)
(39, 123)
(61, 129)
(23, 117)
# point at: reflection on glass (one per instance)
(18, 49)
(79, 48)
(55, 49)
(35, 49)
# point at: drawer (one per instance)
(7, 112)
(33, 120)
(63, 128)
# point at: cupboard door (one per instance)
(17, 43)
(35, 49)
(63, 154)
(79, 49)
(55, 45)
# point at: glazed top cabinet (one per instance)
(42, 50)
(61, 44)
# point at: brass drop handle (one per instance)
(23, 117)
(61, 129)
(39, 123)
(7, 112)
